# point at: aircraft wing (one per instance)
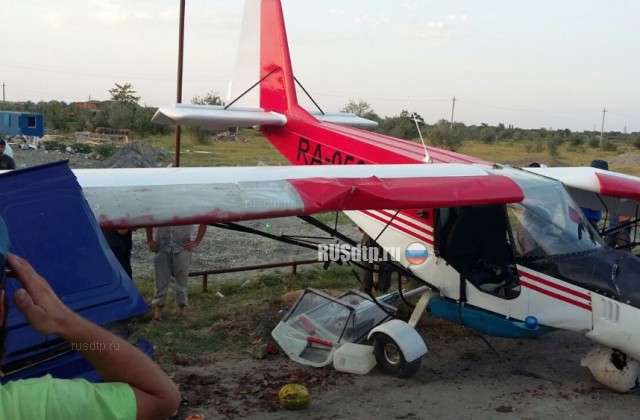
(174, 196)
(598, 189)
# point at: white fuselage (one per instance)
(553, 302)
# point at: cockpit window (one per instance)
(548, 222)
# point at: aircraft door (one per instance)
(478, 243)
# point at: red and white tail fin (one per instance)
(304, 138)
(277, 87)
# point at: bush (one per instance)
(202, 136)
(51, 145)
(442, 136)
(609, 146)
(82, 148)
(552, 146)
(576, 141)
(105, 150)
(536, 147)
(487, 135)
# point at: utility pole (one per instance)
(453, 107)
(604, 111)
(3, 91)
(176, 162)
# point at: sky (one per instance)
(551, 64)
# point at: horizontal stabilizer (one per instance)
(215, 117)
(175, 196)
(345, 118)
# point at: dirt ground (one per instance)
(461, 377)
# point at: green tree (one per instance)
(122, 115)
(553, 146)
(362, 109)
(84, 120)
(211, 98)
(143, 124)
(124, 94)
(443, 135)
(55, 113)
(402, 126)
(487, 134)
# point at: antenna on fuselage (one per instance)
(427, 158)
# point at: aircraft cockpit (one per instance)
(547, 222)
(486, 243)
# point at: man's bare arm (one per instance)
(202, 229)
(114, 358)
(153, 245)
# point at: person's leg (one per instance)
(124, 258)
(127, 264)
(128, 248)
(162, 268)
(181, 264)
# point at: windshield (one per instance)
(548, 222)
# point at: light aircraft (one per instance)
(520, 261)
(508, 251)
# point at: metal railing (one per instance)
(206, 273)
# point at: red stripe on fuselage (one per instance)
(555, 295)
(397, 227)
(409, 220)
(560, 287)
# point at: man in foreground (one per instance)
(135, 386)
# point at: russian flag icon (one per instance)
(416, 253)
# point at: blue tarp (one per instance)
(51, 225)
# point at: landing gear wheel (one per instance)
(390, 358)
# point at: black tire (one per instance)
(390, 358)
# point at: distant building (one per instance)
(93, 105)
(14, 123)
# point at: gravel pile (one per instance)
(626, 160)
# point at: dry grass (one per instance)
(258, 151)
(240, 322)
(515, 152)
(255, 151)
